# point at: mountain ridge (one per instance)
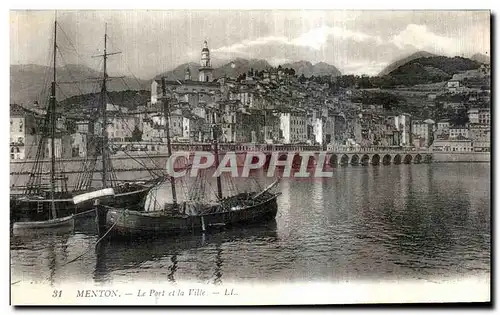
(399, 62)
(233, 68)
(31, 82)
(431, 69)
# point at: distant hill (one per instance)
(308, 69)
(481, 58)
(239, 65)
(231, 69)
(128, 98)
(396, 64)
(179, 72)
(29, 83)
(431, 69)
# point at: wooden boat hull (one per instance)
(126, 223)
(64, 222)
(38, 209)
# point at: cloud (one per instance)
(318, 37)
(315, 39)
(241, 47)
(421, 38)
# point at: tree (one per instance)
(136, 134)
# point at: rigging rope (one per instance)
(95, 245)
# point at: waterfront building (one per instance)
(443, 127)
(402, 123)
(121, 127)
(484, 116)
(473, 114)
(17, 132)
(81, 139)
(458, 131)
(24, 132)
(192, 126)
(424, 131)
(480, 134)
(459, 144)
(79, 144)
(293, 125)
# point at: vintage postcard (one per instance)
(249, 157)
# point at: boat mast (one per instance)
(104, 142)
(53, 127)
(216, 153)
(166, 109)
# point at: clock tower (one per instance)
(205, 65)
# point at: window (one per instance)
(21, 126)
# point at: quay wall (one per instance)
(464, 157)
(140, 162)
(136, 166)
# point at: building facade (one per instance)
(452, 145)
(293, 125)
(424, 132)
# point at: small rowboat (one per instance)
(66, 222)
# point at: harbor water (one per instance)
(425, 221)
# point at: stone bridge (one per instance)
(156, 160)
(332, 155)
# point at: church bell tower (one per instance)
(205, 65)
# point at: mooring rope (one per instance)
(81, 255)
(97, 242)
(84, 212)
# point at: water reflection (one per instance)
(162, 252)
(172, 268)
(218, 265)
(396, 221)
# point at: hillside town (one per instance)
(274, 106)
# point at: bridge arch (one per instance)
(354, 159)
(397, 159)
(376, 159)
(333, 160)
(386, 160)
(181, 162)
(428, 158)
(311, 162)
(344, 160)
(282, 157)
(418, 159)
(365, 159)
(268, 160)
(297, 160)
(408, 159)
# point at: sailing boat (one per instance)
(55, 200)
(129, 193)
(41, 201)
(192, 215)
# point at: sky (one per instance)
(152, 42)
